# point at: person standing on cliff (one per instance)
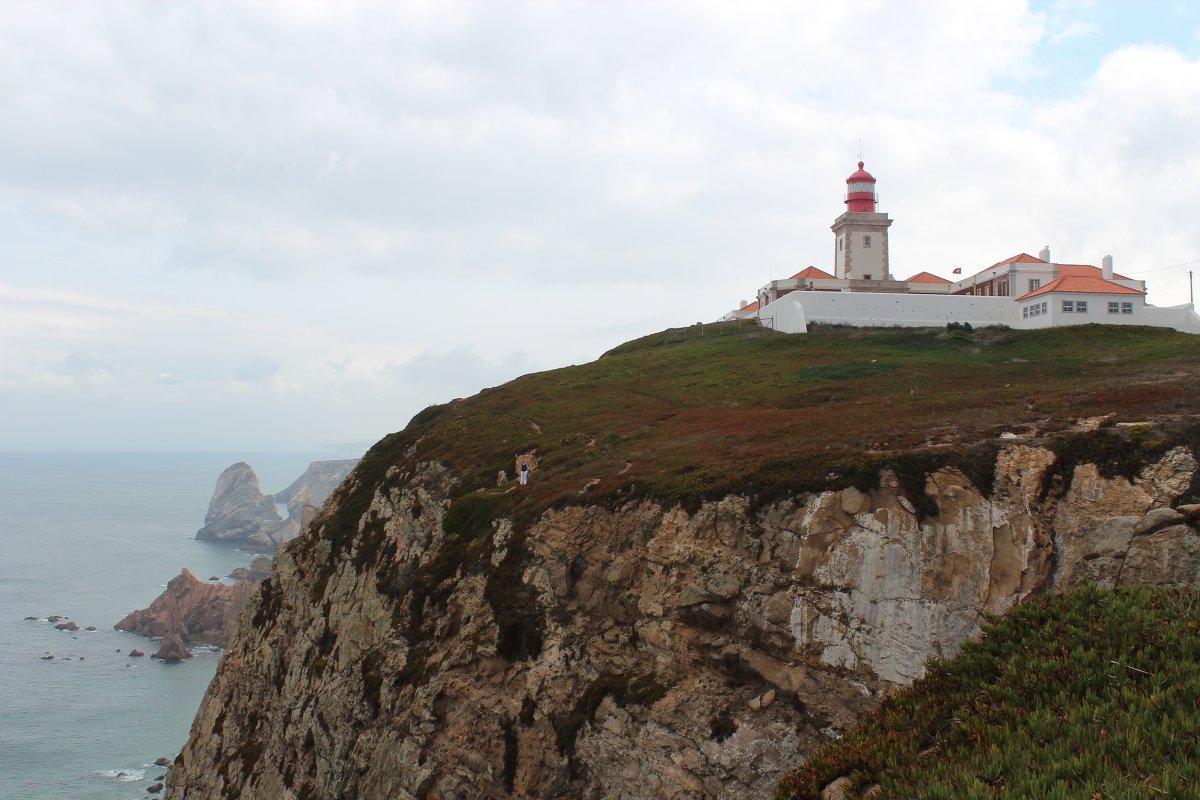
(524, 474)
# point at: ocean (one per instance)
(91, 537)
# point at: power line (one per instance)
(1162, 269)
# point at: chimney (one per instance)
(742, 304)
(1045, 254)
(1106, 267)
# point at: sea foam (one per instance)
(123, 775)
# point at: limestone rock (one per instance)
(172, 648)
(238, 509)
(259, 569)
(635, 651)
(195, 611)
(1168, 557)
(303, 498)
(840, 789)
(317, 483)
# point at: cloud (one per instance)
(460, 370)
(245, 218)
(258, 371)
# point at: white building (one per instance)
(1020, 292)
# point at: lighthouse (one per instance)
(861, 233)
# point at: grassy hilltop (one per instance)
(694, 413)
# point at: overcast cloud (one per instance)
(292, 225)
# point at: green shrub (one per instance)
(1089, 694)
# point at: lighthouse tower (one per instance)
(861, 233)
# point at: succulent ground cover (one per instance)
(1091, 694)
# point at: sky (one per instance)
(291, 225)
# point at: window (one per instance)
(1081, 306)
(1126, 308)
(1068, 306)
(1044, 307)
(1026, 310)
(1113, 308)
(1034, 283)
(1003, 289)
(866, 241)
(839, 243)
(866, 277)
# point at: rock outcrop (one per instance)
(630, 651)
(317, 482)
(172, 649)
(238, 511)
(241, 514)
(259, 569)
(195, 611)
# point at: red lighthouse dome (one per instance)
(860, 191)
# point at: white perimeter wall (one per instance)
(794, 311)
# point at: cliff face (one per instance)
(628, 651)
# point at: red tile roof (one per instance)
(750, 307)
(1080, 284)
(812, 272)
(1084, 270)
(926, 277)
(1021, 258)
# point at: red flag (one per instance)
(957, 271)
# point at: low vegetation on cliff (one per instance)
(696, 413)
(1091, 694)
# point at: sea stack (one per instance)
(238, 509)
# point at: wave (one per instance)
(123, 775)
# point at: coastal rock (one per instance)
(303, 498)
(195, 611)
(316, 484)
(135, 653)
(53, 618)
(66, 626)
(172, 649)
(259, 569)
(162, 761)
(637, 651)
(154, 788)
(240, 513)
(238, 509)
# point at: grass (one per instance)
(692, 414)
(1087, 695)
